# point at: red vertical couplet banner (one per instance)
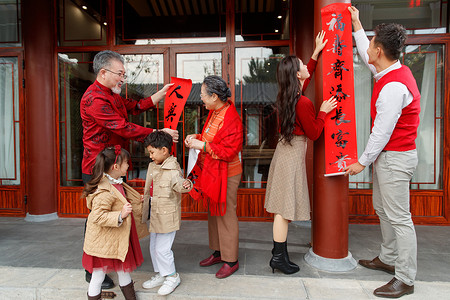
(174, 102)
(337, 59)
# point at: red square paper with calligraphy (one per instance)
(340, 127)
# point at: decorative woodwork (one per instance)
(427, 207)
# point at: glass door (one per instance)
(12, 200)
(147, 73)
(195, 66)
(145, 77)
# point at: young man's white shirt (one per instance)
(393, 97)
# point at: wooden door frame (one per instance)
(17, 192)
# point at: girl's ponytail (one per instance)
(103, 163)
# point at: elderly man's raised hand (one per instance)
(173, 133)
(159, 95)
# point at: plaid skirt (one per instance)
(287, 186)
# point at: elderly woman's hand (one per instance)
(188, 139)
(193, 143)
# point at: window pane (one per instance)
(423, 14)
(426, 63)
(10, 23)
(363, 92)
(82, 23)
(169, 22)
(145, 77)
(256, 92)
(262, 20)
(9, 122)
(75, 76)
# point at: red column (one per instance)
(38, 39)
(330, 194)
(304, 41)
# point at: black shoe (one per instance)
(280, 259)
(107, 284)
(287, 255)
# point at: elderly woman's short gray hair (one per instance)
(216, 85)
(103, 59)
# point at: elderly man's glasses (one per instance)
(123, 75)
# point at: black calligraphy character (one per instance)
(341, 161)
(336, 22)
(338, 67)
(338, 93)
(339, 118)
(193, 177)
(337, 45)
(176, 93)
(340, 142)
(171, 112)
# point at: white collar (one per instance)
(113, 180)
(394, 66)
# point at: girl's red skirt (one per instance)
(133, 259)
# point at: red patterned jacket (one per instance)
(105, 121)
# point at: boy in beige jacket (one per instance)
(165, 209)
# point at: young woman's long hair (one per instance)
(289, 91)
(103, 163)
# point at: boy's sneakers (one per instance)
(169, 285)
(155, 281)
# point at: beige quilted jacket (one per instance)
(165, 209)
(104, 237)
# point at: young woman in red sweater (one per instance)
(287, 188)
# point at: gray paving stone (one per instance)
(42, 261)
(334, 289)
(17, 294)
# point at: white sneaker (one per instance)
(155, 281)
(169, 285)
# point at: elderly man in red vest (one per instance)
(395, 108)
(105, 116)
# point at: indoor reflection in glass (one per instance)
(168, 22)
(262, 20)
(145, 77)
(427, 65)
(256, 91)
(427, 16)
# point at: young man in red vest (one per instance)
(395, 108)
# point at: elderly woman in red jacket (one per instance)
(217, 173)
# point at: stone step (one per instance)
(68, 284)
